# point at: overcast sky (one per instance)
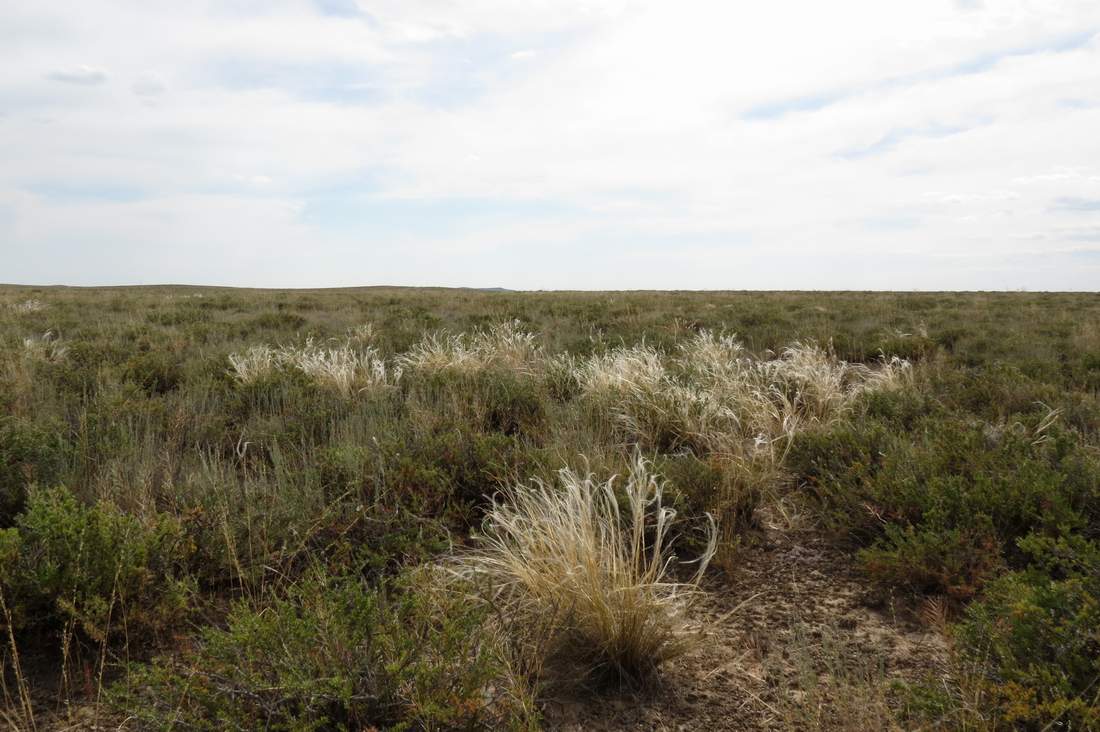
(567, 144)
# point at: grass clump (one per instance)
(599, 578)
(502, 345)
(345, 369)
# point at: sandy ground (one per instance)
(777, 632)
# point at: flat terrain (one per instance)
(241, 508)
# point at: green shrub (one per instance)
(448, 472)
(330, 655)
(277, 321)
(941, 507)
(94, 567)
(155, 371)
(492, 400)
(29, 453)
(697, 486)
(1035, 638)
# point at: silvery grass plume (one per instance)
(609, 374)
(504, 345)
(571, 553)
(342, 368)
(46, 347)
(650, 402)
(254, 364)
(363, 334)
(712, 396)
(27, 306)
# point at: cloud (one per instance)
(783, 107)
(895, 137)
(308, 144)
(339, 8)
(1076, 204)
(83, 75)
(979, 64)
(148, 86)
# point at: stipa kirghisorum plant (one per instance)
(598, 566)
(712, 396)
(46, 347)
(504, 345)
(254, 364)
(27, 306)
(440, 351)
(342, 368)
(363, 334)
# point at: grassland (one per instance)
(453, 509)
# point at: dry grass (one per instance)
(569, 559)
(254, 364)
(504, 345)
(26, 306)
(346, 369)
(46, 347)
(343, 368)
(711, 396)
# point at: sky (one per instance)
(552, 144)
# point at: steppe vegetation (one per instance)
(452, 509)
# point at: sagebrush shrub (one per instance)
(330, 654)
(1034, 638)
(30, 452)
(95, 569)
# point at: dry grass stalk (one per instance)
(570, 552)
(346, 369)
(27, 306)
(504, 345)
(46, 347)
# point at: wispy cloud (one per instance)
(84, 75)
(148, 86)
(895, 137)
(975, 65)
(1076, 204)
(783, 107)
(339, 8)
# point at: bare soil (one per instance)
(793, 639)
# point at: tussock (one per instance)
(342, 368)
(346, 369)
(504, 345)
(712, 396)
(46, 347)
(27, 306)
(569, 552)
(254, 364)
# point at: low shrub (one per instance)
(940, 508)
(330, 654)
(155, 371)
(447, 472)
(1034, 639)
(94, 569)
(30, 453)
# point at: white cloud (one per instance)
(85, 75)
(715, 132)
(149, 85)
